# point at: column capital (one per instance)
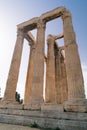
(20, 32)
(41, 23)
(50, 39)
(66, 14)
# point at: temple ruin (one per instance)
(64, 90)
(64, 80)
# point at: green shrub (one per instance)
(34, 125)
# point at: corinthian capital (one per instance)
(50, 39)
(41, 23)
(66, 14)
(20, 32)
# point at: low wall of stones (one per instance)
(45, 119)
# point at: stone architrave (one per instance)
(76, 97)
(50, 92)
(9, 95)
(29, 73)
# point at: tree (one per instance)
(17, 97)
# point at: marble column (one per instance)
(50, 74)
(29, 74)
(63, 78)
(75, 81)
(37, 77)
(57, 74)
(60, 76)
(9, 95)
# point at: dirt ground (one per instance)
(15, 127)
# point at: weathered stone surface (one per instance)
(11, 84)
(52, 107)
(29, 25)
(73, 67)
(60, 76)
(50, 95)
(32, 23)
(45, 119)
(28, 86)
(76, 105)
(32, 106)
(38, 68)
(10, 105)
(64, 79)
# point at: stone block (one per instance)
(45, 119)
(52, 107)
(32, 106)
(76, 105)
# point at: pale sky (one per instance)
(18, 11)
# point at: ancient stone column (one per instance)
(29, 74)
(37, 77)
(63, 78)
(57, 74)
(73, 68)
(50, 95)
(9, 96)
(60, 76)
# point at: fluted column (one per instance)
(9, 95)
(37, 77)
(29, 74)
(63, 78)
(73, 66)
(50, 74)
(57, 74)
(60, 76)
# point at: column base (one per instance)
(32, 106)
(76, 105)
(10, 104)
(52, 107)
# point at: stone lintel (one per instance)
(28, 25)
(32, 23)
(55, 13)
(59, 36)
